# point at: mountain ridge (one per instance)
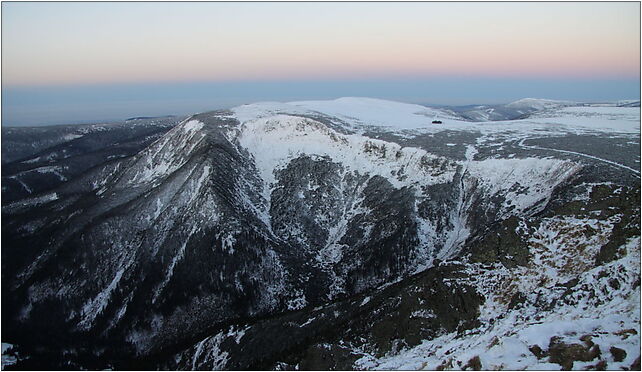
(255, 212)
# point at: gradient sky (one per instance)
(53, 50)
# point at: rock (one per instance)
(628, 227)
(501, 244)
(625, 333)
(474, 364)
(517, 300)
(446, 364)
(600, 366)
(587, 340)
(618, 354)
(595, 352)
(565, 354)
(537, 351)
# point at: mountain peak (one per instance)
(354, 111)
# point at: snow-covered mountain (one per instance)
(353, 232)
(539, 104)
(519, 109)
(525, 108)
(376, 112)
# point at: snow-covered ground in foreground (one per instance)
(609, 315)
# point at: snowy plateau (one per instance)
(319, 235)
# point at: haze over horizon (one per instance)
(74, 62)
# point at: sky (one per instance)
(74, 62)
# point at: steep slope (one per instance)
(154, 235)
(531, 292)
(260, 215)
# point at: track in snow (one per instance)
(533, 147)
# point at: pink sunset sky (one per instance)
(88, 43)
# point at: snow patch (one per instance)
(94, 307)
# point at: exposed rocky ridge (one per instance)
(234, 224)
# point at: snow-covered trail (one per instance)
(533, 147)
